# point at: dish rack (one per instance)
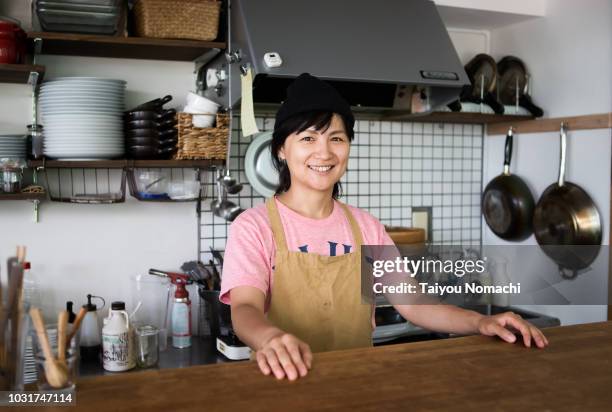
(202, 142)
(86, 185)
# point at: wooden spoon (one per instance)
(77, 324)
(62, 322)
(57, 373)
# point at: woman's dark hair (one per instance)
(320, 120)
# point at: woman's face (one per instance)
(317, 159)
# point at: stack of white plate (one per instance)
(12, 146)
(82, 117)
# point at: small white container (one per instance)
(200, 104)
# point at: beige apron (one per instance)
(318, 298)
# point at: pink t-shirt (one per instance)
(250, 249)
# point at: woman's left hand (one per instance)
(504, 325)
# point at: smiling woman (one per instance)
(292, 265)
(317, 153)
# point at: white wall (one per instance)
(80, 249)
(569, 55)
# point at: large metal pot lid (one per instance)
(258, 166)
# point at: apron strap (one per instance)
(354, 226)
(277, 227)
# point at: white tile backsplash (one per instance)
(394, 166)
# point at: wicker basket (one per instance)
(202, 142)
(177, 19)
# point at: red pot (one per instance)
(12, 43)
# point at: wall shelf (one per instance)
(23, 196)
(20, 73)
(122, 47)
(125, 163)
(457, 117)
(585, 122)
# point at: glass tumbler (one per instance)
(44, 384)
(72, 359)
(147, 346)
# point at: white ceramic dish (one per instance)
(81, 86)
(76, 141)
(85, 132)
(91, 103)
(75, 157)
(83, 153)
(84, 127)
(86, 94)
(82, 122)
(258, 165)
(83, 135)
(85, 79)
(86, 90)
(84, 109)
(77, 110)
(80, 99)
(93, 143)
(89, 116)
(91, 133)
(92, 150)
(82, 89)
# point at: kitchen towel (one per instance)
(247, 113)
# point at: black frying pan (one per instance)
(148, 132)
(154, 104)
(151, 115)
(482, 72)
(149, 141)
(513, 84)
(139, 124)
(507, 202)
(149, 152)
(567, 224)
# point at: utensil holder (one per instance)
(214, 318)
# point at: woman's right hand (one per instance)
(284, 355)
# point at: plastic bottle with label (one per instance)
(116, 339)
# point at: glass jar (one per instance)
(11, 180)
(34, 141)
(147, 342)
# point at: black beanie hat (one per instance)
(308, 93)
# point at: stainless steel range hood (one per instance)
(379, 55)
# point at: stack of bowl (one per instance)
(151, 131)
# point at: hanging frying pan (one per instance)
(566, 221)
(507, 202)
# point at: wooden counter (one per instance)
(471, 373)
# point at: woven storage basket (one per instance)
(202, 142)
(177, 19)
